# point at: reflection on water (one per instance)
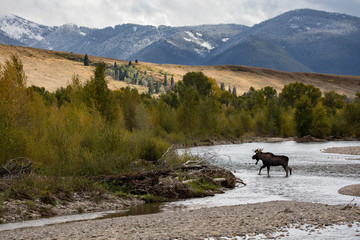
(147, 208)
(136, 210)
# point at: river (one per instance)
(317, 177)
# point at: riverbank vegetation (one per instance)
(86, 129)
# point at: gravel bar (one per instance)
(228, 221)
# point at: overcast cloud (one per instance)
(102, 13)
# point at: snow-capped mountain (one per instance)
(22, 30)
(299, 40)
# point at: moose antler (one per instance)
(259, 150)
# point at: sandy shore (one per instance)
(352, 150)
(216, 222)
(352, 190)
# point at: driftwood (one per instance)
(170, 183)
(16, 166)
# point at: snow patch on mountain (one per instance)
(19, 28)
(192, 38)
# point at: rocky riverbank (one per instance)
(251, 219)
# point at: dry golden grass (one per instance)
(53, 69)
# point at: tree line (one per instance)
(88, 129)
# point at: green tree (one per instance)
(86, 60)
(293, 91)
(172, 83)
(352, 117)
(234, 92)
(225, 98)
(253, 99)
(222, 87)
(165, 80)
(97, 93)
(303, 115)
(333, 101)
(129, 101)
(14, 109)
(187, 113)
(273, 117)
(269, 92)
(320, 125)
(197, 81)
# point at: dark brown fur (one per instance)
(270, 159)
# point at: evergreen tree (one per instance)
(165, 80)
(157, 87)
(234, 92)
(130, 63)
(97, 92)
(150, 87)
(172, 83)
(222, 87)
(86, 60)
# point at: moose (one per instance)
(270, 159)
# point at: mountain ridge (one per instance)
(302, 40)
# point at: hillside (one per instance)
(53, 69)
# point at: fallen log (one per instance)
(16, 166)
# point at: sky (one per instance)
(103, 13)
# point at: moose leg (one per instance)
(286, 170)
(268, 170)
(289, 169)
(261, 168)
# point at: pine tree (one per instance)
(172, 82)
(86, 60)
(222, 87)
(157, 87)
(234, 92)
(229, 89)
(165, 80)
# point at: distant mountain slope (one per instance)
(256, 51)
(305, 40)
(296, 41)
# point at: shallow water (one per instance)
(317, 177)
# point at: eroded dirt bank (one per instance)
(198, 224)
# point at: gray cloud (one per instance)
(101, 13)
